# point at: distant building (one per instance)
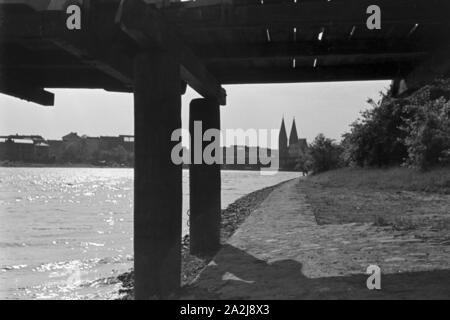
(72, 148)
(245, 157)
(71, 137)
(56, 151)
(128, 142)
(237, 158)
(91, 145)
(24, 149)
(91, 148)
(109, 143)
(290, 151)
(41, 152)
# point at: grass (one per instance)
(401, 198)
(399, 179)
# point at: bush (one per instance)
(324, 154)
(428, 134)
(72, 152)
(414, 130)
(304, 163)
(377, 138)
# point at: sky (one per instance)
(327, 108)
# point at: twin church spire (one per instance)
(290, 151)
(293, 137)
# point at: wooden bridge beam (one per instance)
(374, 50)
(95, 46)
(26, 91)
(437, 66)
(205, 184)
(146, 27)
(158, 181)
(320, 73)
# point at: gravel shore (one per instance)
(232, 217)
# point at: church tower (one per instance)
(283, 146)
(293, 137)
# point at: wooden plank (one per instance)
(243, 75)
(112, 64)
(299, 48)
(276, 52)
(244, 14)
(95, 45)
(147, 28)
(436, 67)
(28, 92)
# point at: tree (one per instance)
(377, 138)
(324, 154)
(72, 152)
(304, 162)
(428, 134)
(413, 130)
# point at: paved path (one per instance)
(280, 252)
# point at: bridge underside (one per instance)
(218, 42)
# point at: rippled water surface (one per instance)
(66, 233)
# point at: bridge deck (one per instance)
(250, 42)
(233, 41)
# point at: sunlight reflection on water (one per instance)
(66, 233)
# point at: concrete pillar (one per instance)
(158, 182)
(205, 185)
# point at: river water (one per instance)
(66, 233)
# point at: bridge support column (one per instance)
(205, 184)
(158, 182)
(398, 86)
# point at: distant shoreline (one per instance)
(8, 164)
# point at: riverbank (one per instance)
(315, 238)
(232, 217)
